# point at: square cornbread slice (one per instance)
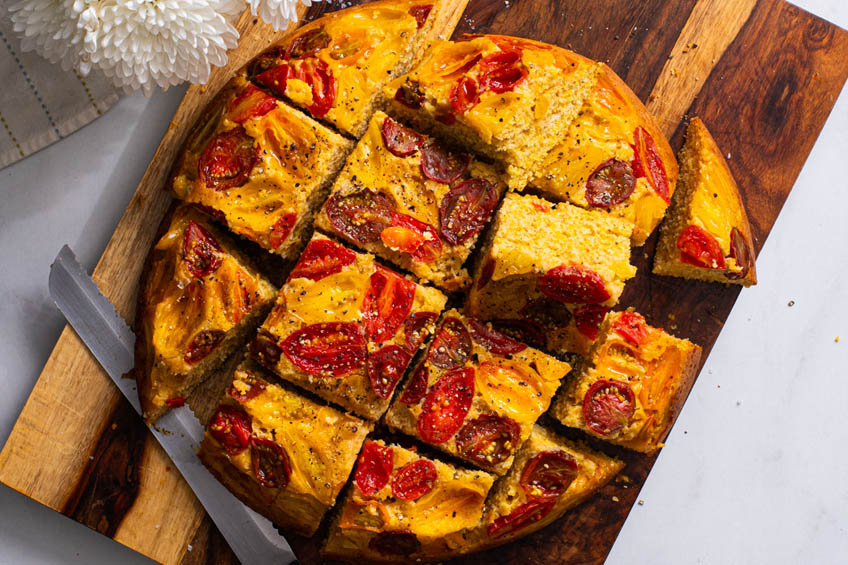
(260, 167)
(614, 157)
(282, 454)
(631, 386)
(335, 67)
(706, 235)
(549, 272)
(508, 98)
(199, 301)
(404, 507)
(345, 327)
(477, 393)
(410, 200)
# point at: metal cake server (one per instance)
(253, 538)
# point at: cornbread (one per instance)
(345, 327)
(403, 507)
(199, 301)
(706, 235)
(412, 201)
(285, 456)
(549, 272)
(477, 393)
(630, 388)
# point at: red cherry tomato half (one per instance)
(528, 513)
(227, 159)
(608, 406)
(251, 103)
(270, 462)
(361, 216)
(632, 327)
(319, 76)
(254, 387)
(414, 480)
(398, 542)
(740, 251)
(441, 165)
(410, 95)
(465, 209)
(265, 350)
(400, 141)
(202, 344)
(373, 468)
(273, 74)
(588, 319)
(446, 405)
(231, 427)
(330, 349)
(416, 388)
(201, 251)
(464, 95)
(699, 248)
(416, 328)
(175, 402)
(493, 340)
(282, 228)
(451, 346)
(573, 284)
(647, 162)
(420, 13)
(527, 331)
(488, 439)
(548, 474)
(486, 273)
(413, 237)
(387, 304)
(385, 368)
(547, 312)
(308, 44)
(322, 258)
(611, 183)
(502, 71)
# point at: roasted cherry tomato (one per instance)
(414, 480)
(451, 346)
(528, 513)
(647, 162)
(251, 103)
(611, 183)
(527, 331)
(227, 159)
(319, 76)
(547, 311)
(486, 273)
(270, 462)
(493, 340)
(699, 248)
(373, 468)
(387, 304)
(632, 327)
(502, 71)
(548, 474)
(282, 228)
(416, 388)
(608, 406)
(308, 44)
(201, 251)
(740, 251)
(410, 95)
(413, 237)
(253, 388)
(441, 165)
(416, 328)
(588, 319)
(489, 439)
(464, 95)
(231, 427)
(573, 284)
(360, 216)
(420, 13)
(202, 344)
(265, 350)
(465, 209)
(385, 368)
(322, 258)
(330, 349)
(400, 141)
(175, 402)
(273, 74)
(446, 405)
(398, 542)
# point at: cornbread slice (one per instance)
(549, 272)
(260, 167)
(614, 157)
(706, 235)
(403, 507)
(631, 386)
(200, 300)
(335, 67)
(477, 393)
(285, 456)
(345, 327)
(508, 98)
(413, 202)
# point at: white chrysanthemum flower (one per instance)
(51, 27)
(278, 13)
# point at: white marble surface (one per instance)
(754, 471)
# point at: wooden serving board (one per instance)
(762, 74)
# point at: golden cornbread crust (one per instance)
(708, 199)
